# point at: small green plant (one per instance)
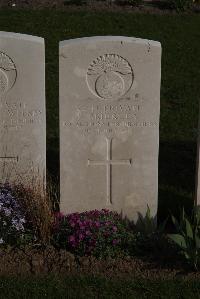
(148, 235)
(146, 224)
(188, 236)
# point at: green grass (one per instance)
(88, 287)
(179, 36)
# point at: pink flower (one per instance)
(71, 238)
(115, 242)
(80, 223)
(72, 224)
(106, 234)
(88, 233)
(105, 211)
(107, 223)
(81, 237)
(58, 215)
(114, 228)
(97, 223)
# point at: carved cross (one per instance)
(108, 163)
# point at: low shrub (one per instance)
(38, 206)
(25, 215)
(14, 226)
(98, 233)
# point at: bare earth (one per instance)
(42, 261)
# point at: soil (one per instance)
(149, 6)
(48, 260)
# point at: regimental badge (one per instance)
(8, 73)
(110, 76)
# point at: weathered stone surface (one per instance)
(22, 108)
(109, 124)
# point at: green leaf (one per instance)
(148, 213)
(197, 240)
(183, 213)
(178, 239)
(197, 214)
(187, 256)
(175, 222)
(162, 226)
(189, 232)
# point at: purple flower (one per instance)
(107, 223)
(88, 233)
(81, 237)
(97, 224)
(72, 224)
(115, 242)
(71, 238)
(114, 228)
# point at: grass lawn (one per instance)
(97, 287)
(180, 92)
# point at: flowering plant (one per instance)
(99, 233)
(13, 223)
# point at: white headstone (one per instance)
(109, 124)
(22, 108)
(197, 183)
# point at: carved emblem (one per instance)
(8, 73)
(110, 76)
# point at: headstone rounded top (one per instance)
(110, 39)
(21, 36)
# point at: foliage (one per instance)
(146, 224)
(188, 236)
(25, 214)
(74, 2)
(14, 227)
(99, 233)
(181, 5)
(37, 204)
(148, 236)
(135, 2)
(129, 2)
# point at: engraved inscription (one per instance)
(15, 115)
(8, 73)
(110, 76)
(9, 159)
(108, 163)
(108, 119)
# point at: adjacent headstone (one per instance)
(109, 124)
(197, 183)
(22, 109)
